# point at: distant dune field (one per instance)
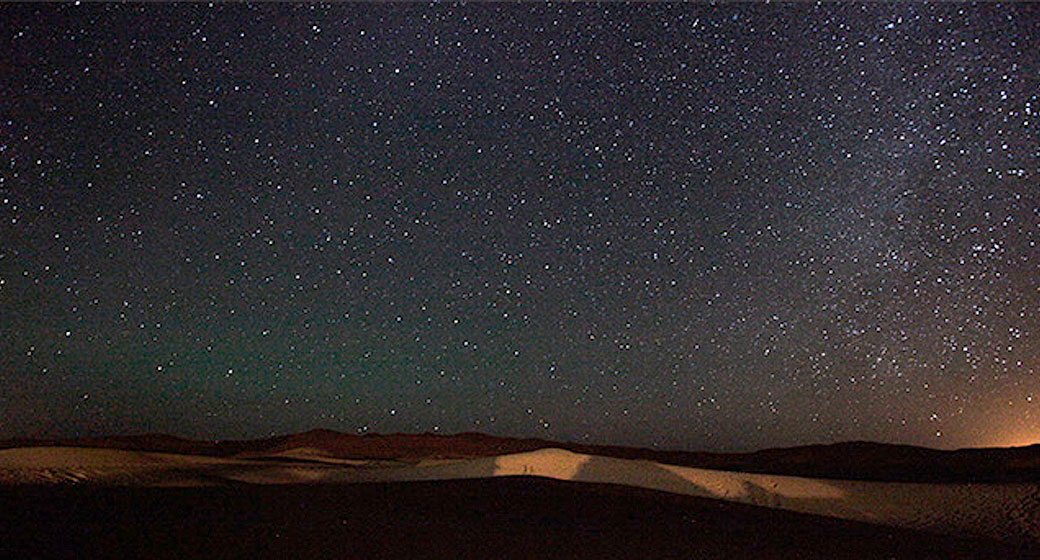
(1004, 511)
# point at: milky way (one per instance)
(695, 226)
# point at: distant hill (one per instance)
(404, 447)
(852, 460)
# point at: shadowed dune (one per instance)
(1008, 511)
(847, 461)
(506, 517)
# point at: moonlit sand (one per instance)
(997, 510)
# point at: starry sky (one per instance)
(717, 227)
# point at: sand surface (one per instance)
(505, 518)
(1008, 511)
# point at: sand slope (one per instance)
(1005, 511)
(856, 460)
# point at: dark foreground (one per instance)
(489, 518)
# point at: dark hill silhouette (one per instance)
(851, 460)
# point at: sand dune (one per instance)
(1004, 511)
(993, 510)
(846, 461)
(43, 465)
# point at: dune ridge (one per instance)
(1007, 511)
(859, 460)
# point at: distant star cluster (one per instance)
(695, 226)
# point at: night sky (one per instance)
(697, 227)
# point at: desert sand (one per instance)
(1004, 511)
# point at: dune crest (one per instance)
(1002, 510)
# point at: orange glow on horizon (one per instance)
(1009, 435)
(1016, 441)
